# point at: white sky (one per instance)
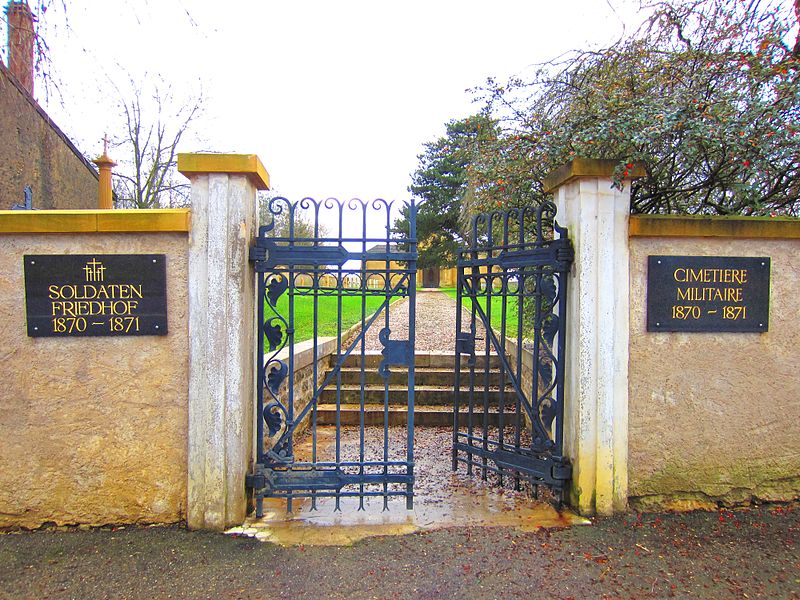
(336, 98)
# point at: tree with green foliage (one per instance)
(705, 94)
(441, 183)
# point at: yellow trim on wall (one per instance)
(713, 226)
(588, 167)
(246, 164)
(95, 221)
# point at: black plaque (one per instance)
(708, 293)
(82, 295)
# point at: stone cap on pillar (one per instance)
(242, 164)
(589, 167)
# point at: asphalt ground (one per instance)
(745, 553)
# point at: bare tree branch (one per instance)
(147, 176)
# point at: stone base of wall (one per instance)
(685, 501)
(303, 377)
(714, 488)
(304, 373)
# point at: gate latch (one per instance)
(395, 353)
(465, 343)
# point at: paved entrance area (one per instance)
(442, 499)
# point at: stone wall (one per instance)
(527, 370)
(36, 152)
(714, 418)
(304, 376)
(94, 429)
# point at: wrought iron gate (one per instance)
(514, 275)
(303, 273)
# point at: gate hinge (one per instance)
(256, 481)
(257, 254)
(562, 471)
(564, 253)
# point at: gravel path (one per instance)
(435, 325)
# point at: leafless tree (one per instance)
(154, 124)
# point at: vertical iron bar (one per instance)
(340, 284)
(503, 314)
(538, 297)
(260, 367)
(562, 336)
(290, 344)
(474, 294)
(412, 315)
(362, 381)
(457, 374)
(387, 295)
(520, 317)
(487, 356)
(314, 354)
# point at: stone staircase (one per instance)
(434, 376)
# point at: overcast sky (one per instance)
(336, 98)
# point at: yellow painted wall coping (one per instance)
(95, 221)
(713, 226)
(247, 164)
(588, 167)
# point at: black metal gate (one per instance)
(310, 279)
(508, 416)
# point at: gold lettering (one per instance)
(710, 294)
(689, 275)
(116, 291)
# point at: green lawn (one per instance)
(351, 313)
(327, 313)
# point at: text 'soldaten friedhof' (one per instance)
(708, 293)
(95, 294)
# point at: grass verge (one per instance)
(327, 313)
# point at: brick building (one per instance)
(34, 152)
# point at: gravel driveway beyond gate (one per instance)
(435, 325)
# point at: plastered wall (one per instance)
(714, 418)
(92, 430)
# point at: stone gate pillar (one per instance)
(221, 334)
(596, 386)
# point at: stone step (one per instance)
(432, 359)
(398, 395)
(423, 376)
(424, 416)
